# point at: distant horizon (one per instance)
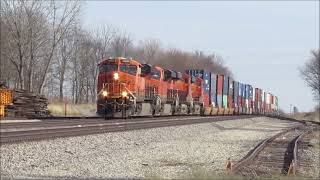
(263, 43)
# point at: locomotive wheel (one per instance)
(176, 105)
(143, 109)
(156, 106)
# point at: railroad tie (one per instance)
(228, 166)
(291, 170)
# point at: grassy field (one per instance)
(58, 109)
(308, 116)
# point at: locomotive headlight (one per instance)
(124, 94)
(104, 93)
(115, 76)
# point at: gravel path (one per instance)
(167, 152)
(311, 156)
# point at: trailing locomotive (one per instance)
(127, 88)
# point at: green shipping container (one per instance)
(225, 101)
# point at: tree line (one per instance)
(44, 49)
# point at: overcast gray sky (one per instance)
(263, 43)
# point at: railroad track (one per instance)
(277, 155)
(47, 129)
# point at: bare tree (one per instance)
(34, 28)
(121, 44)
(62, 17)
(150, 49)
(63, 58)
(13, 18)
(102, 39)
(310, 72)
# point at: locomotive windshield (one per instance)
(108, 68)
(128, 68)
(155, 74)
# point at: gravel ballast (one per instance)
(310, 156)
(167, 152)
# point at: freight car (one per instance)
(128, 88)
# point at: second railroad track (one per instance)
(277, 155)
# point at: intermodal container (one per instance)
(219, 100)
(268, 98)
(225, 101)
(247, 91)
(206, 87)
(243, 96)
(205, 76)
(226, 85)
(253, 96)
(213, 90)
(220, 84)
(239, 90)
(235, 92)
(264, 95)
(250, 96)
(230, 94)
(240, 95)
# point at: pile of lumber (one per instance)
(27, 104)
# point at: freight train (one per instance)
(128, 88)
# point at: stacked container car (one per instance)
(225, 94)
(206, 95)
(244, 99)
(263, 101)
(247, 98)
(235, 96)
(205, 85)
(246, 95)
(250, 99)
(220, 94)
(240, 95)
(272, 106)
(213, 94)
(256, 101)
(266, 102)
(260, 100)
(277, 104)
(253, 100)
(230, 97)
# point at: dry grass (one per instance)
(308, 116)
(58, 109)
(202, 173)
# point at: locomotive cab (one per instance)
(119, 82)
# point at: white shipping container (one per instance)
(247, 103)
(253, 94)
(268, 100)
(263, 94)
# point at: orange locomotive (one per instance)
(128, 88)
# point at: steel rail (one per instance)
(50, 123)
(251, 155)
(19, 136)
(295, 161)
